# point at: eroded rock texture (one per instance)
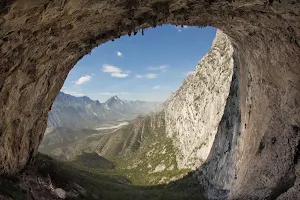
(218, 173)
(40, 41)
(194, 112)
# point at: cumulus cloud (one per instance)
(162, 68)
(119, 75)
(119, 54)
(83, 79)
(110, 69)
(114, 71)
(181, 28)
(156, 87)
(151, 76)
(138, 76)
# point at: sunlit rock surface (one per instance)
(194, 111)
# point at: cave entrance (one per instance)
(42, 40)
(119, 84)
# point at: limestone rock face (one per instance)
(194, 111)
(40, 41)
(218, 172)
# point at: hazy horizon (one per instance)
(108, 97)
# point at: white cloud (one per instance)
(188, 73)
(119, 75)
(119, 54)
(73, 93)
(180, 28)
(151, 76)
(106, 93)
(110, 69)
(114, 71)
(83, 79)
(113, 93)
(156, 87)
(162, 68)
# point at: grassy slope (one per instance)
(142, 166)
(97, 185)
(143, 156)
(141, 151)
(93, 161)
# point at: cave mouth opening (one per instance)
(265, 36)
(147, 70)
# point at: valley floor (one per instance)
(46, 178)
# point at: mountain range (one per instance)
(81, 112)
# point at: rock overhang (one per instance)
(40, 41)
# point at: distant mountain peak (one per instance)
(70, 111)
(115, 97)
(113, 100)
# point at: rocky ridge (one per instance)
(81, 112)
(137, 148)
(120, 142)
(194, 111)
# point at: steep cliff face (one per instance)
(218, 172)
(194, 111)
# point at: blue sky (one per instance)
(147, 67)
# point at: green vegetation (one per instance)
(153, 163)
(140, 163)
(96, 185)
(9, 189)
(93, 160)
(150, 162)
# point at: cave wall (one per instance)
(40, 41)
(268, 147)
